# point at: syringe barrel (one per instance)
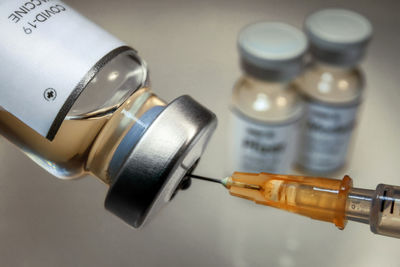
(385, 211)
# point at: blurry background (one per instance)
(190, 46)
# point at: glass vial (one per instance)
(110, 104)
(85, 107)
(332, 86)
(265, 106)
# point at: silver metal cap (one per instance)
(154, 168)
(338, 36)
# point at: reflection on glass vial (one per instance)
(265, 107)
(332, 86)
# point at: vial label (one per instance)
(48, 52)
(326, 136)
(260, 147)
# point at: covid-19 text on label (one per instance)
(35, 12)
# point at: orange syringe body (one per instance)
(318, 198)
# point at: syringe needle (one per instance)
(227, 182)
(205, 178)
(319, 198)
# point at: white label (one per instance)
(326, 136)
(258, 147)
(46, 50)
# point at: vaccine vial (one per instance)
(332, 86)
(265, 106)
(117, 90)
(78, 103)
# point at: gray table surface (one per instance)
(190, 47)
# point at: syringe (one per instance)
(323, 199)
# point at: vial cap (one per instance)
(338, 35)
(273, 48)
(154, 157)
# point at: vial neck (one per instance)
(277, 74)
(332, 68)
(268, 84)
